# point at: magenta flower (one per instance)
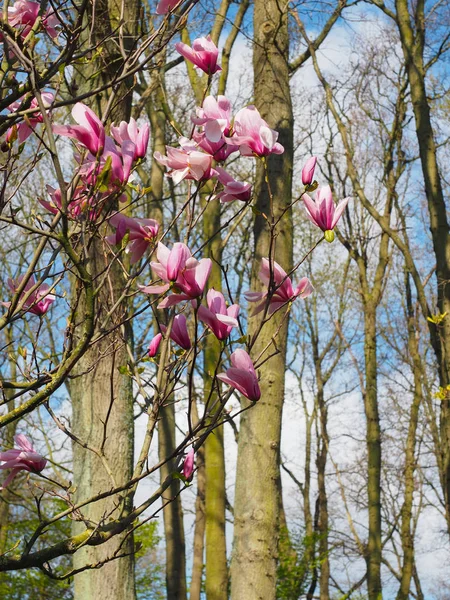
(89, 132)
(154, 345)
(188, 465)
(284, 291)
(323, 212)
(82, 204)
(38, 302)
(232, 189)
(180, 271)
(308, 170)
(165, 5)
(142, 232)
(179, 332)
(24, 13)
(132, 133)
(186, 162)
(242, 375)
(203, 54)
(217, 317)
(24, 458)
(215, 116)
(253, 135)
(23, 130)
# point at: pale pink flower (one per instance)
(24, 13)
(242, 375)
(232, 189)
(253, 135)
(154, 345)
(186, 162)
(180, 271)
(203, 54)
(188, 465)
(215, 116)
(284, 291)
(89, 132)
(323, 212)
(23, 458)
(38, 302)
(24, 129)
(179, 332)
(165, 5)
(217, 316)
(142, 233)
(308, 170)
(132, 133)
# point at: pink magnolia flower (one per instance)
(186, 162)
(112, 168)
(82, 204)
(132, 133)
(233, 190)
(38, 302)
(284, 291)
(89, 132)
(188, 465)
(215, 116)
(179, 332)
(165, 5)
(142, 232)
(154, 345)
(242, 375)
(203, 54)
(253, 135)
(23, 130)
(217, 316)
(23, 458)
(24, 13)
(323, 212)
(308, 170)
(180, 271)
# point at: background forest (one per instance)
(324, 472)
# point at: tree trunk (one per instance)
(254, 560)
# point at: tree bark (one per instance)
(254, 560)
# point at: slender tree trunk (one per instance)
(407, 535)
(254, 560)
(321, 463)
(373, 441)
(199, 529)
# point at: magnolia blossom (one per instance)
(38, 302)
(188, 465)
(323, 212)
(242, 375)
(186, 162)
(215, 116)
(82, 204)
(179, 332)
(284, 291)
(203, 54)
(23, 14)
(232, 189)
(23, 458)
(308, 170)
(89, 132)
(253, 135)
(217, 316)
(165, 5)
(142, 232)
(24, 129)
(132, 133)
(154, 345)
(181, 272)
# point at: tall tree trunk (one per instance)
(254, 560)
(413, 45)
(102, 397)
(199, 529)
